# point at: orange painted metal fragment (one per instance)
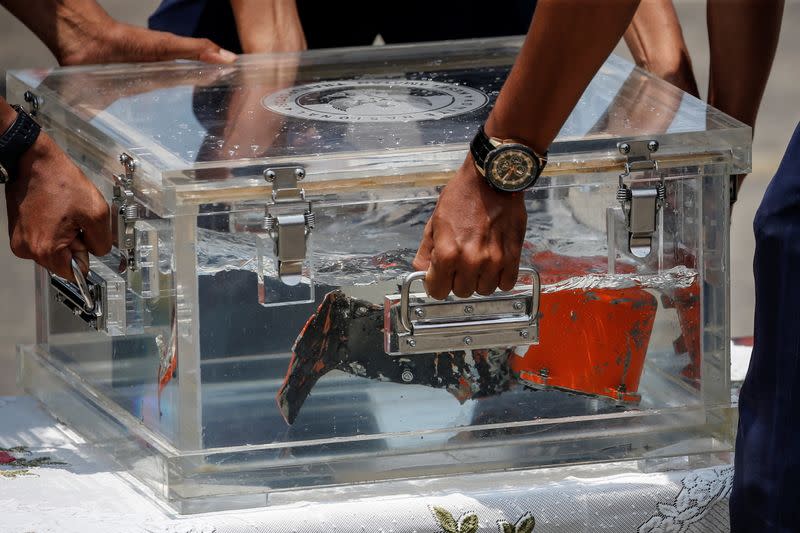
(591, 342)
(686, 302)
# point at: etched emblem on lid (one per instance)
(375, 100)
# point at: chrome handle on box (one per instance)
(414, 323)
(83, 287)
(97, 298)
(82, 297)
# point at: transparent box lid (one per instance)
(360, 117)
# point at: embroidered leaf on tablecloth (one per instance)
(15, 449)
(469, 524)
(445, 519)
(15, 473)
(505, 527)
(667, 510)
(526, 523)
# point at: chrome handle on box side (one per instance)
(97, 298)
(502, 319)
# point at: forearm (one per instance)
(740, 65)
(55, 22)
(656, 42)
(272, 26)
(567, 43)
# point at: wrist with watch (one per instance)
(14, 142)
(507, 165)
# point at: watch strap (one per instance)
(480, 147)
(15, 141)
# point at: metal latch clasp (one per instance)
(125, 212)
(640, 204)
(289, 220)
(414, 323)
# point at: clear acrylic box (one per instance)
(287, 194)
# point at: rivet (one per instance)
(411, 342)
(544, 372)
(467, 340)
(269, 175)
(419, 312)
(625, 148)
(517, 306)
(407, 376)
(523, 333)
(652, 146)
(468, 309)
(299, 173)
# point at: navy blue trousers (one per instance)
(766, 488)
(356, 22)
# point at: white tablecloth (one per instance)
(85, 495)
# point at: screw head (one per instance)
(299, 173)
(411, 342)
(467, 340)
(625, 148)
(652, 146)
(468, 309)
(524, 333)
(419, 312)
(407, 376)
(518, 306)
(127, 161)
(269, 175)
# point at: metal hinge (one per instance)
(34, 102)
(640, 204)
(289, 220)
(125, 211)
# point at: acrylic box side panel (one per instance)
(124, 347)
(618, 333)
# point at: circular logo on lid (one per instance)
(375, 100)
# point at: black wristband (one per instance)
(14, 142)
(480, 147)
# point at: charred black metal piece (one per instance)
(347, 334)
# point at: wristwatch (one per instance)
(16, 140)
(508, 166)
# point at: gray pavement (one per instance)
(779, 115)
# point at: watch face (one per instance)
(512, 167)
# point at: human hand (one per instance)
(123, 43)
(473, 240)
(54, 211)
